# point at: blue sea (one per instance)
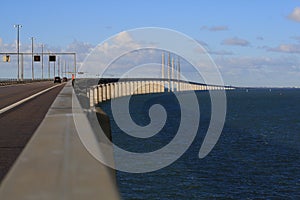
(256, 157)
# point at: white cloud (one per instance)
(215, 28)
(212, 52)
(7, 47)
(296, 38)
(79, 47)
(295, 15)
(113, 46)
(202, 43)
(286, 48)
(108, 58)
(235, 41)
(123, 38)
(219, 28)
(260, 71)
(259, 38)
(248, 62)
(9, 70)
(82, 49)
(220, 52)
(240, 71)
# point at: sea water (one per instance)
(257, 155)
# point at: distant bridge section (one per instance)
(111, 88)
(170, 81)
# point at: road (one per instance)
(13, 93)
(18, 124)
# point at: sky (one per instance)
(253, 43)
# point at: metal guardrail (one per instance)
(4, 82)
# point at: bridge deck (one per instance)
(55, 165)
(18, 124)
(13, 93)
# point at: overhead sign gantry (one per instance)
(37, 58)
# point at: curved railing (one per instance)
(111, 90)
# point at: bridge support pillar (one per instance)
(119, 89)
(138, 87)
(108, 91)
(127, 88)
(112, 90)
(151, 84)
(104, 92)
(131, 88)
(100, 93)
(91, 97)
(146, 87)
(95, 89)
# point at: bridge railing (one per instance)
(106, 91)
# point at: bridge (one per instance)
(51, 162)
(41, 154)
(170, 81)
(110, 88)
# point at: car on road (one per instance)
(65, 79)
(57, 79)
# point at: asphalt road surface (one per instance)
(18, 124)
(13, 93)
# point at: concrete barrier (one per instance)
(55, 164)
(104, 121)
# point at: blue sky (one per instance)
(255, 43)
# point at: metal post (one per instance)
(65, 68)
(58, 66)
(178, 73)
(22, 67)
(75, 65)
(169, 65)
(18, 26)
(172, 75)
(61, 68)
(68, 69)
(18, 49)
(163, 65)
(42, 61)
(32, 70)
(54, 70)
(48, 68)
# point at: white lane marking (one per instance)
(3, 110)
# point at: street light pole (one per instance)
(32, 70)
(42, 61)
(58, 66)
(48, 65)
(65, 69)
(75, 62)
(18, 26)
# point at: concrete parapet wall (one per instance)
(107, 91)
